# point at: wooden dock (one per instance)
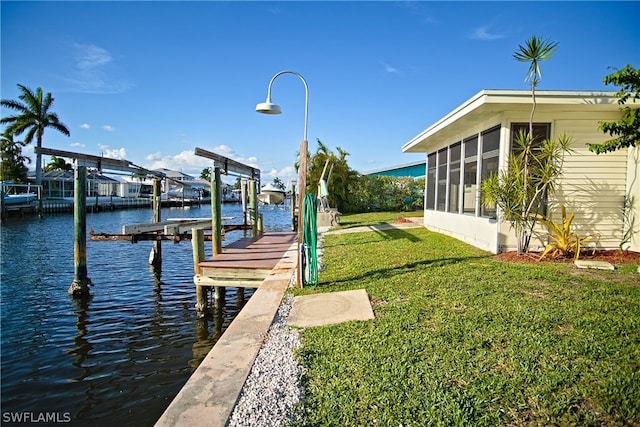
(245, 263)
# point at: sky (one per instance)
(150, 81)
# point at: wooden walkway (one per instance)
(247, 262)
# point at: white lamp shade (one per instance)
(268, 108)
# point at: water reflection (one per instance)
(120, 355)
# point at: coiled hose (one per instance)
(309, 241)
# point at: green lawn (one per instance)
(460, 338)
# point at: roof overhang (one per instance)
(488, 103)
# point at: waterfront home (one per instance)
(475, 139)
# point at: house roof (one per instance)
(488, 102)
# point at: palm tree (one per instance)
(12, 162)
(58, 163)
(534, 51)
(33, 117)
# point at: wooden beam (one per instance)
(228, 165)
(98, 162)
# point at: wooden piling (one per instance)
(155, 258)
(253, 203)
(80, 285)
(216, 211)
(197, 245)
(294, 219)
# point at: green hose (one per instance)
(309, 241)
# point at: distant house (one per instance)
(474, 140)
(409, 170)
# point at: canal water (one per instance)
(120, 356)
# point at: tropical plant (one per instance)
(206, 174)
(564, 242)
(626, 130)
(13, 166)
(277, 182)
(521, 197)
(338, 175)
(58, 163)
(532, 170)
(33, 116)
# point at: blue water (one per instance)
(120, 356)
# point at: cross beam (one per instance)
(98, 162)
(228, 165)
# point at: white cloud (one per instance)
(77, 144)
(390, 69)
(108, 128)
(113, 153)
(93, 70)
(187, 162)
(483, 33)
(85, 126)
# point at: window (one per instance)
(454, 177)
(441, 194)
(431, 182)
(490, 154)
(541, 131)
(470, 175)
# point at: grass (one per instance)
(460, 338)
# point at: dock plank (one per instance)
(247, 262)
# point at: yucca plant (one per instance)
(563, 240)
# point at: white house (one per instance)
(474, 140)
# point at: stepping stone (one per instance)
(600, 265)
(330, 308)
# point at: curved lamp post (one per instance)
(268, 107)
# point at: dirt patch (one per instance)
(612, 256)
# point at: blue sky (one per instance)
(150, 81)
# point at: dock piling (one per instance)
(80, 285)
(155, 258)
(197, 244)
(216, 211)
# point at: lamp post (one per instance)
(268, 107)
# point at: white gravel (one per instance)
(272, 389)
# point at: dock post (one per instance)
(155, 258)
(294, 219)
(253, 203)
(197, 245)
(80, 285)
(260, 224)
(243, 192)
(216, 211)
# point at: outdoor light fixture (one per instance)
(269, 107)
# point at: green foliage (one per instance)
(384, 193)
(277, 182)
(521, 191)
(460, 338)
(33, 117)
(205, 174)
(534, 51)
(58, 163)
(626, 130)
(564, 242)
(12, 162)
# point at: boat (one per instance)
(271, 195)
(17, 194)
(19, 199)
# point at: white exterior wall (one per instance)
(479, 232)
(633, 195)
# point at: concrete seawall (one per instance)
(210, 394)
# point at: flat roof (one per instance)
(489, 101)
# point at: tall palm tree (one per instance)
(33, 116)
(534, 51)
